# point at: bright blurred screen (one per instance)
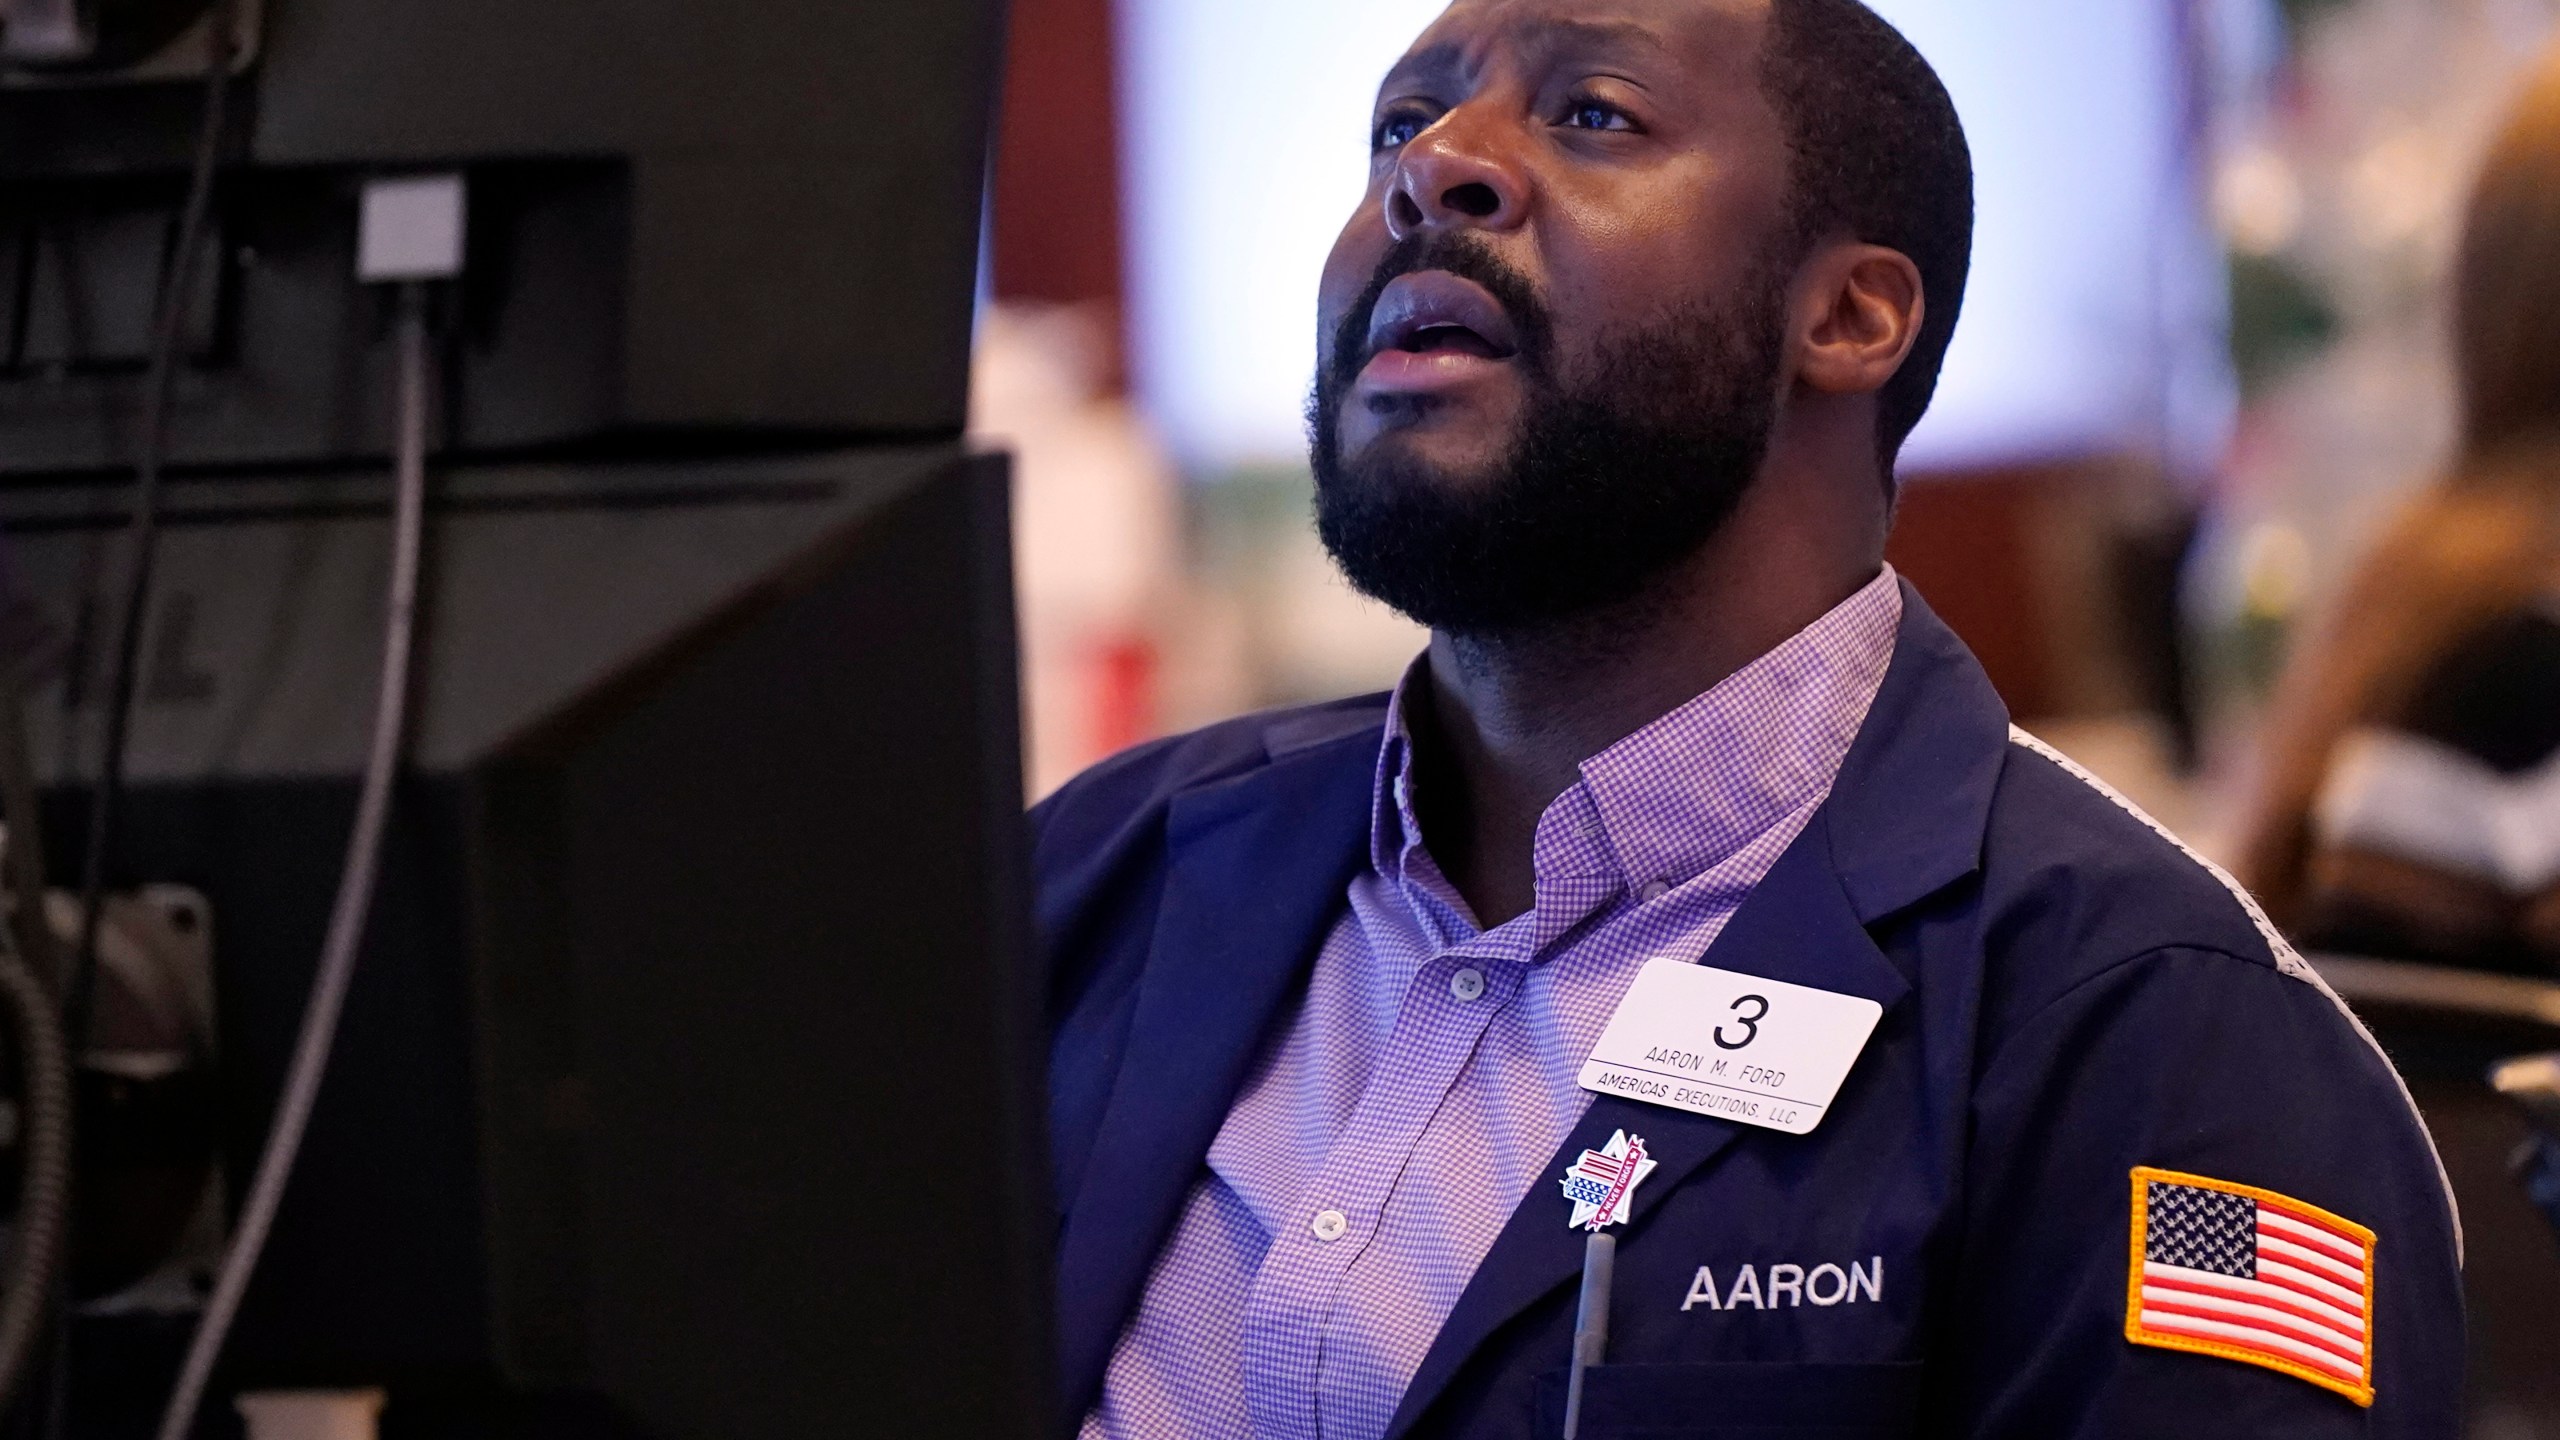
(2093, 324)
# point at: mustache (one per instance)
(1465, 255)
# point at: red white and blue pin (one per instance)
(1602, 1184)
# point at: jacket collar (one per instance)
(1905, 820)
(1907, 816)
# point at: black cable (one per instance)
(22, 298)
(34, 1266)
(175, 301)
(44, 1185)
(22, 872)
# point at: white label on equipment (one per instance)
(1737, 1047)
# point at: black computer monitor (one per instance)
(691, 1063)
(689, 1073)
(697, 216)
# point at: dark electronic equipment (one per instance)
(2447, 1030)
(687, 1061)
(682, 1066)
(688, 216)
(687, 1086)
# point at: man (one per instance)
(1693, 889)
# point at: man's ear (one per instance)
(1862, 311)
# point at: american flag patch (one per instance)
(2250, 1275)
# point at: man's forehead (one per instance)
(1708, 34)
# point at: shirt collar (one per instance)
(1671, 801)
(1394, 829)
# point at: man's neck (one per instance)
(1509, 720)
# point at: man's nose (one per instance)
(1457, 175)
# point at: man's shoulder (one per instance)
(1139, 783)
(2113, 948)
(2077, 880)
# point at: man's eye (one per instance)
(1597, 115)
(1397, 130)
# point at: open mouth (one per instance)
(1433, 312)
(1427, 339)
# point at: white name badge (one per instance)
(1737, 1047)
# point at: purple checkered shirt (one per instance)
(1346, 1203)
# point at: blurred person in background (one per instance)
(2411, 801)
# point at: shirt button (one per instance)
(1330, 1225)
(1654, 890)
(1467, 984)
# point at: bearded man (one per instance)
(1693, 890)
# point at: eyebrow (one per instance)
(1559, 32)
(1430, 63)
(1551, 34)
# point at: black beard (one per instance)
(1621, 470)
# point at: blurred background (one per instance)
(2204, 356)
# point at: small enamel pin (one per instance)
(1602, 1184)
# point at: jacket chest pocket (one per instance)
(1743, 1402)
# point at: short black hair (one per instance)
(1877, 153)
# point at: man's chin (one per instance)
(1444, 458)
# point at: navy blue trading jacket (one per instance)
(2068, 996)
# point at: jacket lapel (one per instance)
(1905, 820)
(1797, 926)
(1260, 866)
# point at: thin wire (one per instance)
(355, 890)
(31, 1293)
(44, 1185)
(168, 330)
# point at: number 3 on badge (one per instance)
(1737, 1047)
(1750, 1023)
